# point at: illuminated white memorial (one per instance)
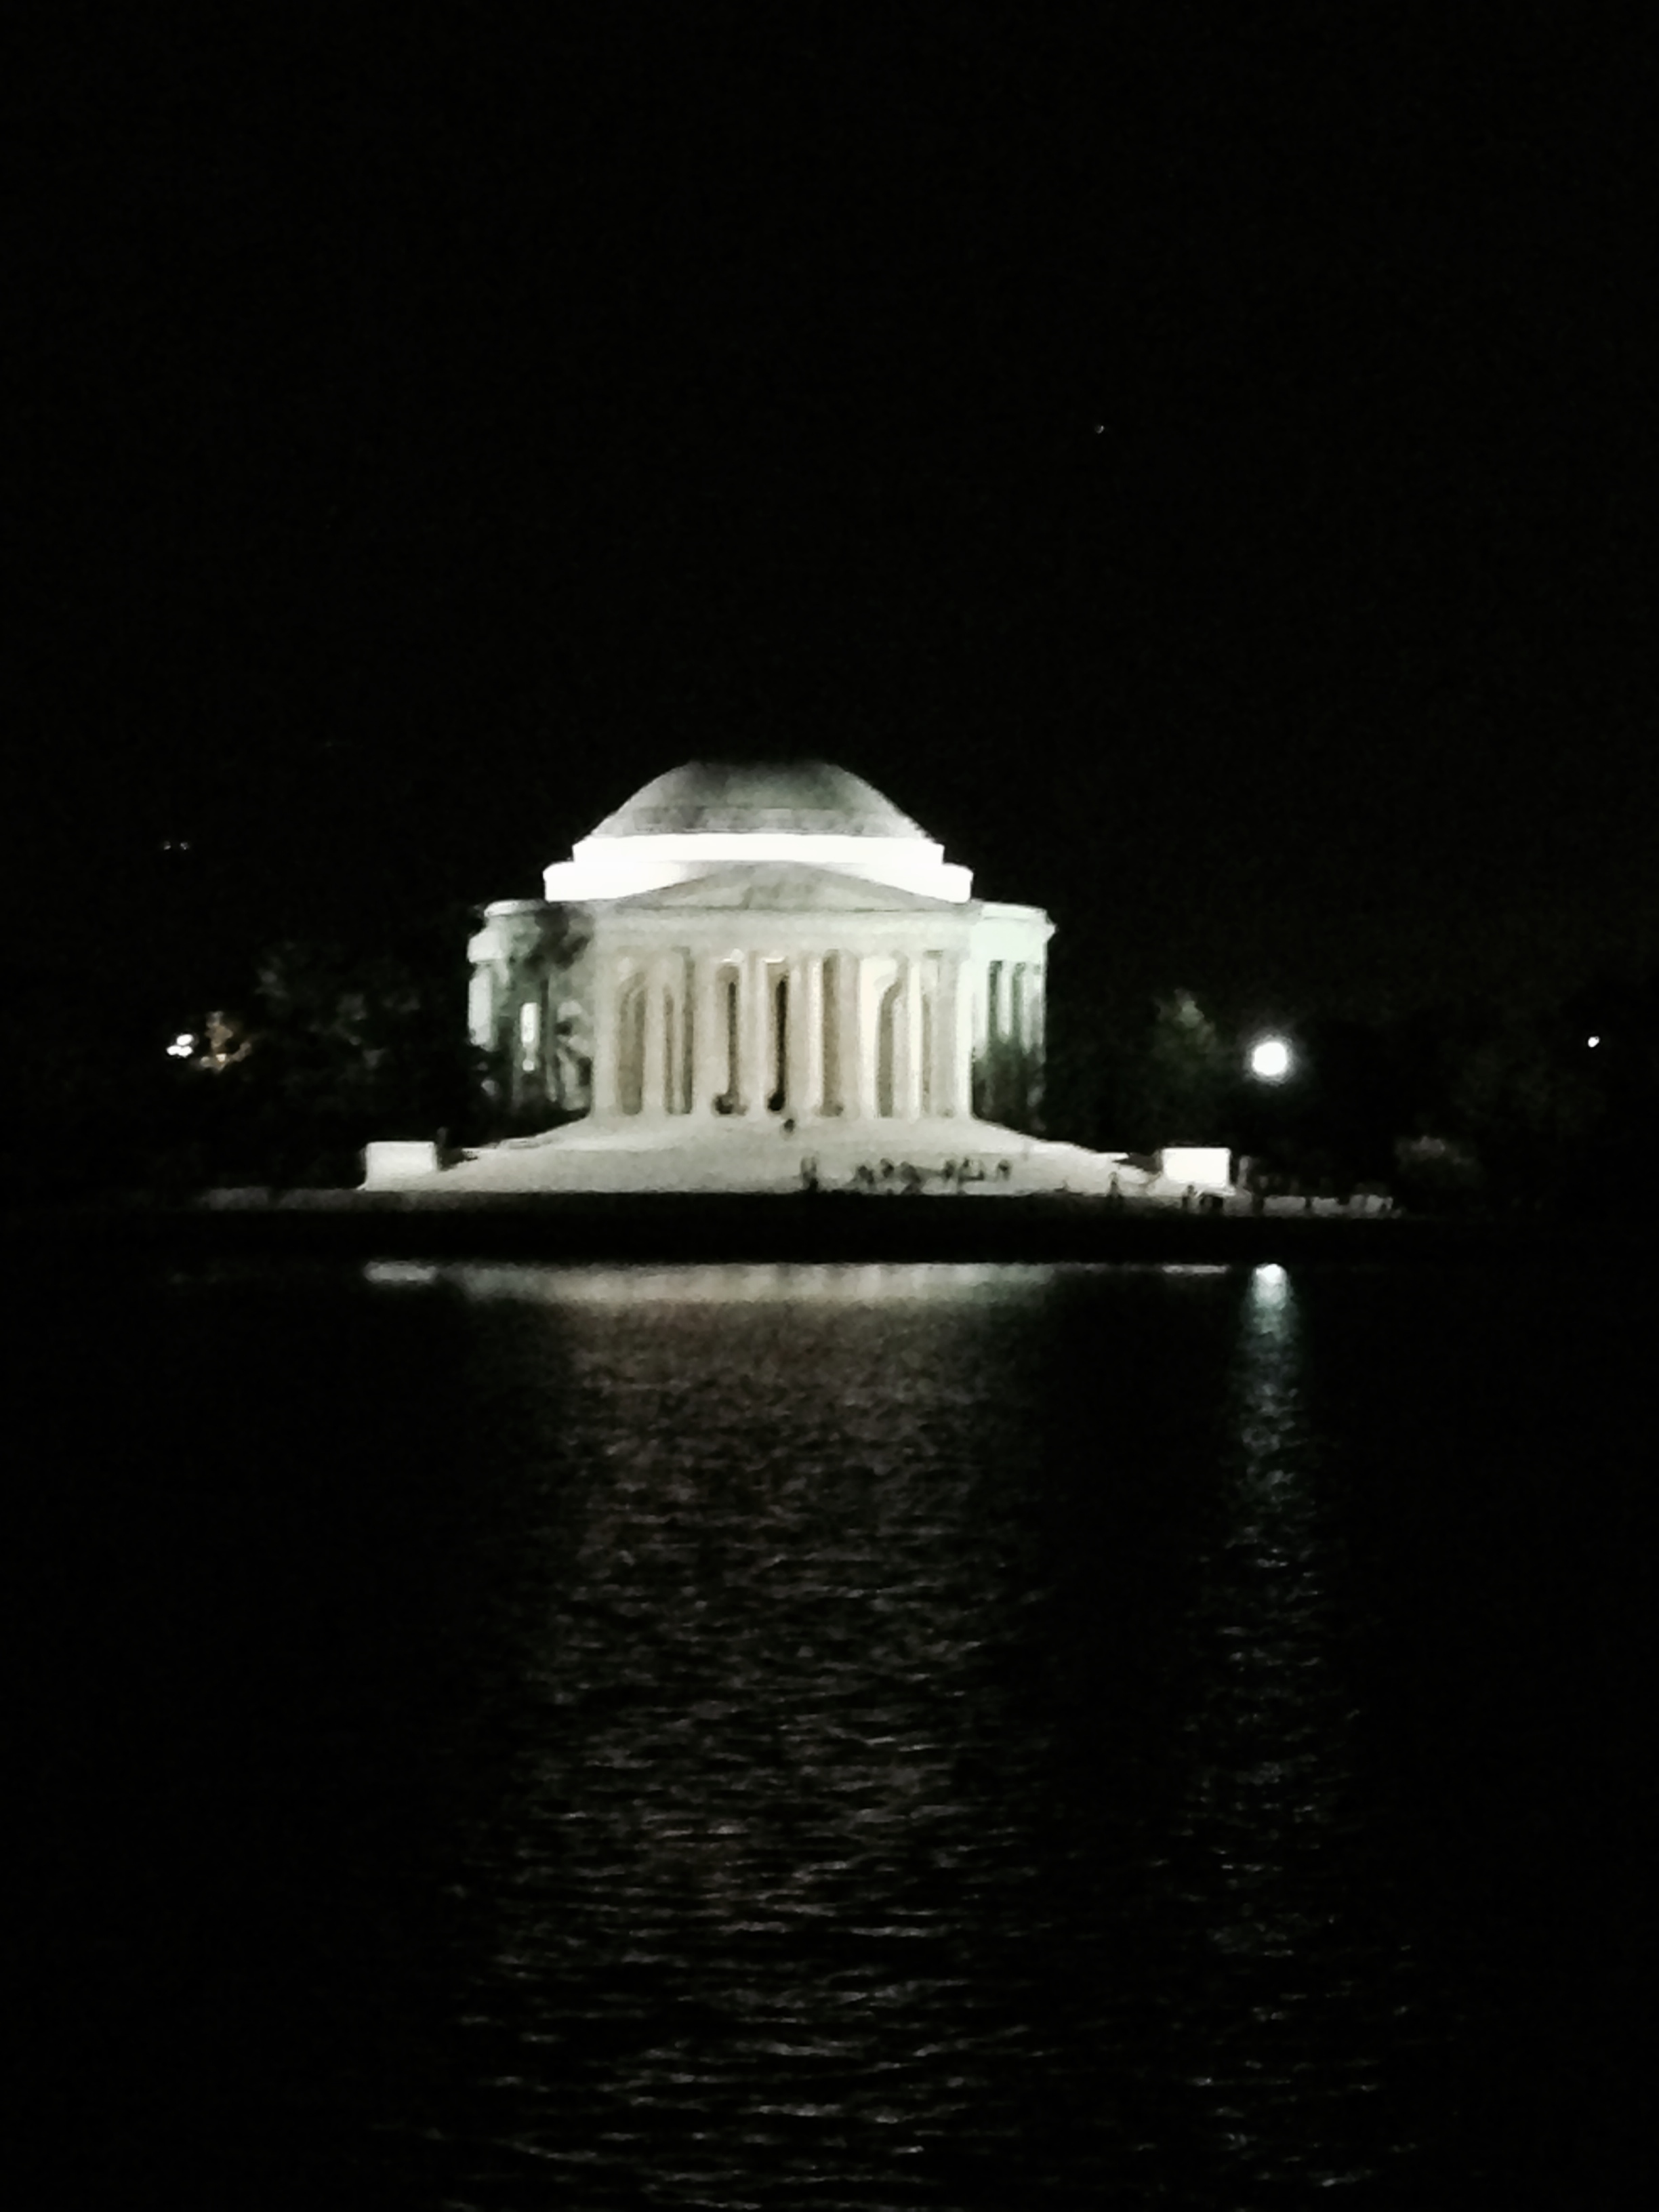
(746, 953)
(762, 944)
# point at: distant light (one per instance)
(181, 1047)
(1270, 1297)
(1593, 1040)
(1271, 1059)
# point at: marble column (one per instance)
(849, 1035)
(710, 1065)
(758, 1051)
(869, 1041)
(908, 1093)
(898, 998)
(945, 1062)
(1036, 1058)
(653, 1072)
(605, 1038)
(812, 1012)
(974, 1020)
(676, 1015)
(804, 1076)
(848, 1060)
(959, 1038)
(832, 985)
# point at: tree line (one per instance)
(1462, 1106)
(324, 1045)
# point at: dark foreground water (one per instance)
(500, 1736)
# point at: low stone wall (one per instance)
(390, 1159)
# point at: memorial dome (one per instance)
(706, 816)
(761, 798)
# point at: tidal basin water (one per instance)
(503, 1736)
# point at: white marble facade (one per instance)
(761, 944)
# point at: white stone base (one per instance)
(394, 1159)
(1206, 1167)
(670, 1155)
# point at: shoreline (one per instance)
(826, 1226)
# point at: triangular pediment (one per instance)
(785, 886)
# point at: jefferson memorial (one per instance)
(754, 976)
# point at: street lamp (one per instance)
(1270, 1059)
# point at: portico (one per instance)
(784, 1031)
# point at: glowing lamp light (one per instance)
(1270, 1059)
(181, 1047)
(1592, 1041)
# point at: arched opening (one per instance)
(570, 1075)
(730, 1100)
(889, 1014)
(677, 1048)
(779, 994)
(834, 985)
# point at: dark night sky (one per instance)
(1200, 461)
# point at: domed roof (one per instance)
(801, 799)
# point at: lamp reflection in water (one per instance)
(1285, 1988)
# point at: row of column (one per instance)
(850, 1034)
(1013, 1004)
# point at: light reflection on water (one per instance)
(798, 1896)
(760, 1283)
(1285, 1979)
(1139, 1736)
(746, 1887)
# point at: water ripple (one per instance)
(787, 1910)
